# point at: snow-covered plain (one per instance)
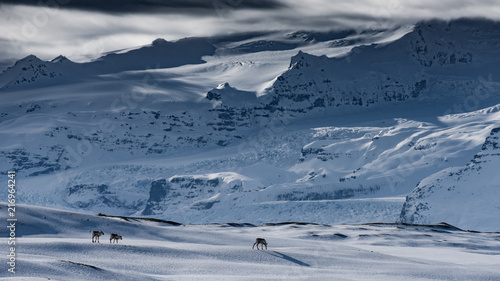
(56, 245)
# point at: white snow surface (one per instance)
(56, 245)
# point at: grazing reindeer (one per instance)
(260, 241)
(95, 236)
(114, 237)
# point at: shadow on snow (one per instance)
(286, 257)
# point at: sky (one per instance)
(83, 29)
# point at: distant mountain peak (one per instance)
(224, 85)
(159, 42)
(29, 58)
(27, 71)
(60, 59)
(226, 95)
(302, 59)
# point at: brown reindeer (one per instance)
(114, 237)
(260, 241)
(95, 236)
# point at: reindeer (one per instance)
(95, 236)
(260, 241)
(114, 237)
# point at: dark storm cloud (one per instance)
(195, 7)
(84, 29)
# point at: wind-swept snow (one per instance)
(57, 245)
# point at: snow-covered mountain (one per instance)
(334, 127)
(30, 70)
(436, 61)
(461, 195)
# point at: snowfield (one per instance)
(56, 245)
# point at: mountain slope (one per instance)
(464, 196)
